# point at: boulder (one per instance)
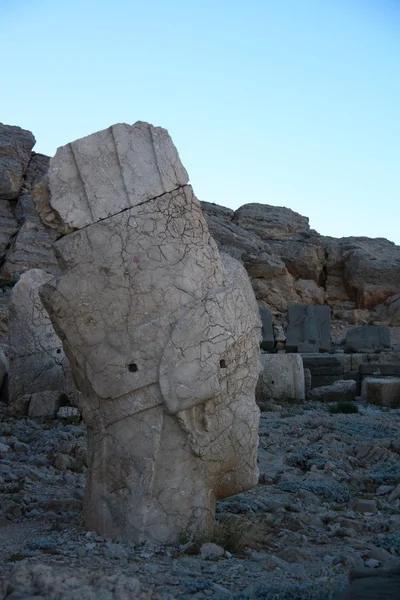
(281, 378)
(15, 152)
(46, 404)
(37, 362)
(388, 313)
(288, 235)
(340, 391)
(362, 269)
(382, 392)
(162, 334)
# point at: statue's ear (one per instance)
(192, 365)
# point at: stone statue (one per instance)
(162, 338)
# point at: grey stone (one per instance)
(162, 338)
(367, 337)
(281, 378)
(15, 152)
(363, 505)
(307, 382)
(31, 248)
(340, 391)
(308, 328)
(68, 412)
(46, 404)
(324, 364)
(210, 551)
(267, 331)
(36, 356)
(382, 392)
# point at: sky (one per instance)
(291, 103)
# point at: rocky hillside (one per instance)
(286, 260)
(289, 262)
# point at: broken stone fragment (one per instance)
(105, 173)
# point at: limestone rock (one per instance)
(140, 160)
(15, 152)
(382, 392)
(281, 378)
(46, 404)
(30, 249)
(340, 391)
(37, 359)
(163, 339)
(362, 269)
(288, 236)
(388, 313)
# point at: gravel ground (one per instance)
(328, 501)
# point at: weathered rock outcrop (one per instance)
(286, 260)
(24, 244)
(162, 339)
(290, 263)
(15, 152)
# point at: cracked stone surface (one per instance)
(37, 362)
(107, 172)
(162, 334)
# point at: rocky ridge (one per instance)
(287, 261)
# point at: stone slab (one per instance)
(267, 331)
(367, 338)
(322, 364)
(309, 328)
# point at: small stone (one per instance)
(364, 506)
(210, 551)
(21, 448)
(372, 563)
(63, 462)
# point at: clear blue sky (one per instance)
(288, 102)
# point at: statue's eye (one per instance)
(132, 368)
(222, 364)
